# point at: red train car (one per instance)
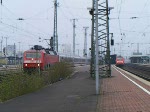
(40, 58)
(119, 61)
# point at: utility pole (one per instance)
(108, 43)
(100, 45)
(74, 34)
(6, 51)
(6, 47)
(1, 9)
(1, 19)
(85, 44)
(19, 53)
(19, 48)
(137, 47)
(92, 65)
(15, 52)
(97, 49)
(2, 47)
(55, 35)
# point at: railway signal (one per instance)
(112, 40)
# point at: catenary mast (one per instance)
(55, 35)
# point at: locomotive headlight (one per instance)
(38, 65)
(26, 64)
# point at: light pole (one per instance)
(19, 55)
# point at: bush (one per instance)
(58, 72)
(17, 84)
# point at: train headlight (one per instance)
(26, 64)
(38, 65)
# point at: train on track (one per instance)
(120, 61)
(39, 57)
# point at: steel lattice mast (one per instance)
(104, 44)
(92, 12)
(100, 45)
(55, 35)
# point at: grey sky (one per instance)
(38, 15)
(133, 30)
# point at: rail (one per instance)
(140, 70)
(8, 70)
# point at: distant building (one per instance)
(137, 54)
(9, 50)
(65, 49)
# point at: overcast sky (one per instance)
(38, 22)
(134, 17)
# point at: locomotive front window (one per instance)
(119, 58)
(33, 55)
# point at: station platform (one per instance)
(120, 93)
(123, 93)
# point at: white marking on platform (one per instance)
(136, 77)
(145, 90)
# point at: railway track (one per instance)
(5, 71)
(142, 71)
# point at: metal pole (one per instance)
(1, 48)
(56, 29)
(6, 51)
(19, 47)
(15, 53)
(92, 68)
(108, 43)
(96, 46)
(55, 35)
(74, 27)
(6, 47)
(19, 54)
(85, 44)
(137, 47)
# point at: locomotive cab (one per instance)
(39, 58)
(33, 59)
(119, 61)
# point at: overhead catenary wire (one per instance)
(140, 14)
(20, 31)
(33, 30)
(16, 17)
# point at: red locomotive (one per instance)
(119, 61)
(38, 57)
